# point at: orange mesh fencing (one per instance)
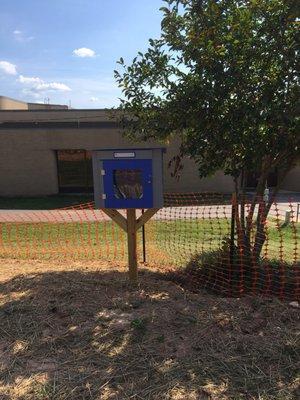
(197, 236)
(76, 233)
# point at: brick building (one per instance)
(45, 150)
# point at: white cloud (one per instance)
(8, 68)
(39, 85)
(28, 92)
(93, 92)
(53, 86)
(21, 37)
(28, 80)
(84, 52)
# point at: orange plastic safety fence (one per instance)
(72, 233)
(233, 247)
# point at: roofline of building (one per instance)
(10, 98)
(48, 104)
(30, 103)
(57, 118)
(57, 110)
(58, 125)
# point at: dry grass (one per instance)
(81, 331)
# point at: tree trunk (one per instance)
(260, 237)
(245, 223)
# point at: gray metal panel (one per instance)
(98, 181)
(140, 154)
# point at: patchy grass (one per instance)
(283, 242)
(81, 331)
(214, 272)
(170, 242)
(182, 238)
(79, 240)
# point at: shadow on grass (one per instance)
(213, 271)
(91, 335)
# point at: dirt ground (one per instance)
(81, 331)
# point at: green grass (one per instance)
(167, 241)
(75, 240)
(181, 238)
(43, 203)
(285, 240)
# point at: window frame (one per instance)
(87, 187)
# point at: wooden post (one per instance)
(131, 237)
(131, 225)
(287, 218)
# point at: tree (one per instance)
(224, 77)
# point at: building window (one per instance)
(75, 171)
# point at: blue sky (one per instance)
(66, 50)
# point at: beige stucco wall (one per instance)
(28, 161)
(292, 180)
(55, 115)
(41, 106)
(7, 103)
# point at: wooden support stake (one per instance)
(130, 226)
(117, 217)
(145, 217)
(131, 237)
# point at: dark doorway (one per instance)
(252, 179)
(75, 171)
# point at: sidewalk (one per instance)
(167, 213)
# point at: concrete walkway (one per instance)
(167, 213)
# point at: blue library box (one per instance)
(128, 178)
